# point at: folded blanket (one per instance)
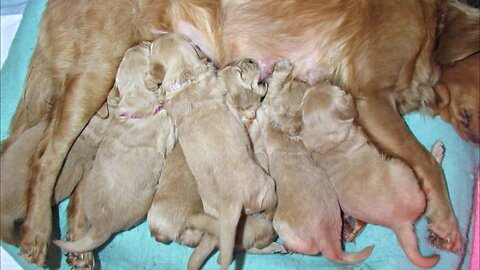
(136, 249)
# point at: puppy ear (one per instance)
(294, 125)
(460, 37)
(154, 77)
(103, 111)
(113, 97)
(345, 105)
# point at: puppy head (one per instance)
(173, 62)
(459, 88)
(284, 104)
(244, 92)
(327, 116)
(130, 93)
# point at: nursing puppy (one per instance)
(119, 189)
(177, 215)
(304, 226)
(214, 141)
(16, 162)
(390, 193)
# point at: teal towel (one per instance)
(135, 249)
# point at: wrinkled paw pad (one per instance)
(81, 261)
(452, 244)
(36, 255)
(283, 66)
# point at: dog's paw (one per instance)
(351, 228)
(445, 235)
(33, 248)
(276, 248)
(438, 151)
(81, 261)
(283, 67)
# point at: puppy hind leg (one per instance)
(229, 218)
(380, 118)
(202, 251)
(77, 227)
(83, 96)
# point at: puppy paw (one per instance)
(283, 67)
(81, 261)
(352, 227)
(276, 248)
(445, 235)
(33, 248)
(438, 151)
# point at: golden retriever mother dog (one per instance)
(387, 54)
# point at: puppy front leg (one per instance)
(77, 227)
(381, 120)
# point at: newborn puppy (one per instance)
(177, 215)
(216, 145)
(255, 234)
(369, 186)
(304, 226)
(119, 189)
(15, 166)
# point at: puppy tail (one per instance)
(92, 240)
(336, 254)
(229, 218)
(202, 251)
(408, 241)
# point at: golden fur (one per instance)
(16, 165)
(305, 226)
(177, 215)
(214, 141)
(390, 193)
(119, 189)
(383, 52)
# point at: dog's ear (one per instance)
(294, 125)
(154, 77)
(460, 36)
(113, 97)
(103, 111)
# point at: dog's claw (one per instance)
(351, 228)
(34, 251)
(283, 66)
(453, 243)
(81, 261)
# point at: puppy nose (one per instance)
(250, 61)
